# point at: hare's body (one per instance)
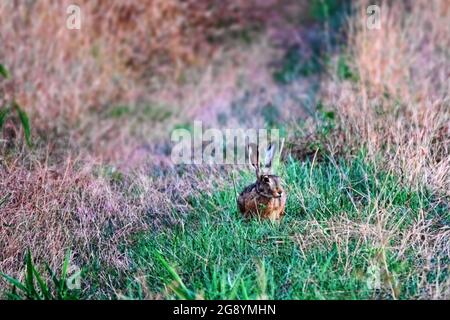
(266, 197)
(253, 204)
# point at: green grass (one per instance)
(215, 254)
(294, 65)
(36, 286)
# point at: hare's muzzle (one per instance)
(278, 194)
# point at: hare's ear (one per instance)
(253, 154)
(269, 156)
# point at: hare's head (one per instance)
(267, 184)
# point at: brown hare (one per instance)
(266, 197)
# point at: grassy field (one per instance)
(88, 190)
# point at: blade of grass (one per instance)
(62, 282)
(3, 71)
(186, 292)
(244, 290)
(3, 113)
(42, 285)
(52, 274)
(25, 121)
(235, 287)
(16, 283)
(29, 278)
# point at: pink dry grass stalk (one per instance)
(93, 209)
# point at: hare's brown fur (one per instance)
(253, 204)
(265, 198)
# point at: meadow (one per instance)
(92, 207)
(350, 233)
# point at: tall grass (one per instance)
(36, 287)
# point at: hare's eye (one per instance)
(266, 179)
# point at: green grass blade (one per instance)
(3, 71)
(327, 263)
(3, 113)
(171, 270)
(16, 283)
(42, 285)
(13, 295)
(52, 275)
(179, 292)
(185, 293)
(25, 121)
(29, 278)
(244, 290)
(65, 268)
(235, 287)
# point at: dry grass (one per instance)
(400, 107)
(90, 208)
(121, 53)
(399, 111)
(52, 209)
